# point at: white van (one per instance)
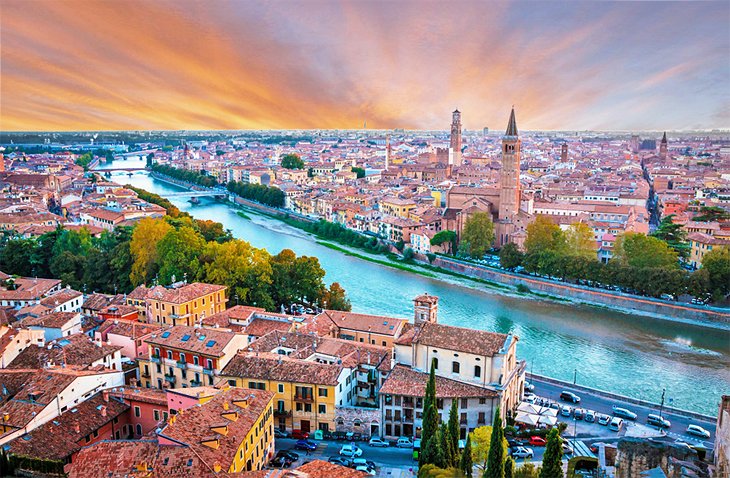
(616, 424)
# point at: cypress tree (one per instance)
(466, 464)
(451, 458)
(509, 467)
(454, 428)
(439, 455)
(430, 425)
(495, 460)
(552, 460)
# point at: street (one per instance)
(603, 405)
(390, 456)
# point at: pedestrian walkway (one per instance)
(399, 472)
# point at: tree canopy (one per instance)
(478, 235)
(292, 161)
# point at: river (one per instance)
(627, 354)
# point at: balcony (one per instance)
(208, 371)
(304, 398)
(182, 365)
(170, 378)
(195, 383)
(408, 419)
(155, 358)
(282, 413)
(144, 374)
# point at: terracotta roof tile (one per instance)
(268, 366)
(76, 349)
(406, 381)
(478, 342)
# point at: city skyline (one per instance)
(199, 66)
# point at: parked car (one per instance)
(567, 449)
(288, 454)
(566, 411)
(404, 442)
(350, 451)
(537, 441)
(305, 445)
(529, 397)
(280, 433)
(554, 405)
(590, 416)
(280, 462)
(616, 424)
(529, 387)
(377, 442)
(299, 435)
(366, 469)
(363, 462)
(698, 431)
(579, 413)
(658, 421)
(569, 397)
(514, 443)
(340, 460)
(522, 452)
(624, 413)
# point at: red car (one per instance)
(537, 441)
(299, 435)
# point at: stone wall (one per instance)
(358, 420)
(638, 455)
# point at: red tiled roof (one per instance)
(76, 349)
(184, 293)
(478, 342)
(204, 341)
(412, 383)
(365, 323)
(269, 366)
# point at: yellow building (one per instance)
(701, 244)
(397, 207)
(187, 304)
(306, 393)
(232, 432)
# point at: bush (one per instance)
(408, 254)
(523, 288)
(431, 256)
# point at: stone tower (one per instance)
(387, 152)
(509, 187)
(426, 309)
(455, 144)
(564, 152)
(663, 147)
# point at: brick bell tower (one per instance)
(426, 308)
(509, 187)
(455, 142)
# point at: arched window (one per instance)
(139, 429)
(435, 363)
(455, 367)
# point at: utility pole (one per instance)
(575, 376)
(661, 406)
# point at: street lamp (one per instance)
(661, 406)
(575, 376)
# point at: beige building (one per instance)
(186, 304)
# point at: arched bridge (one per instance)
(195, 194)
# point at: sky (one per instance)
(68, 65)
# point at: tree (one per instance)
(552, 460)
(509, 467)
(336, 299)
(510, 256)
(408, 254)
(481, 439)
(178, 254)
(292, 161)
(451, 457)
(430, 423)
(144, 248)
(466, 465)
(16, 257)
(212, 230)
(527, 470)
(454, 429)
(716, 264)
(638, 250)
(359, 171)
(712, 214)
(580, 241)
(445, 236)
(495, 459)
(478, 234)
(544, 235)
(673, 234)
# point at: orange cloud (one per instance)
(90, 65)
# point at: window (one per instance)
(299, 406)
(139, 429)
(157, 415)
(455, 366)
(440, 403)
(196, 360)
(281, 388)
(137, 412)
(322, 392)
(208, 363)
(182, 357)
(308, 407)
(419, 402)
(464, 403)
(322, 409)
(169, 354)
(477, 371)
(435, 363)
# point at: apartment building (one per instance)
(185, 304)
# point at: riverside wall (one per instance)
(633, 304)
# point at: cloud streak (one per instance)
(88, 65)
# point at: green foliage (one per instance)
(552, 464)
(433, 471)
(528, 470)
(153, 198)
(431, 256)
(466, 465)
(429, 427)
(640, 251)
(544, 235)
(450, 453)
(712, 214)
(445, 236)
(510, 256)
(478, 234)
(673, 234)
(292, 161)
(185, 175)
(84, 160)
(408, 254)
(268, 195)
(716, 267)
(496, 457)
(359, 171)
(150, 160)
(523, 289)
(335, 299)
(454, 430)
(509, 467)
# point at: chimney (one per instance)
(105, 395)
(77, 427)
(103, 410)
(217, 467)
(225, 405)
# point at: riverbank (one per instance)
(496, 280)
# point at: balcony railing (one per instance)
(282, 413)
(155, 358)
(195, 383)
(182, 365)
(170, 378)
(144, 374)
(208, 371)
(303, 398)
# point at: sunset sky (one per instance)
(109, 65)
